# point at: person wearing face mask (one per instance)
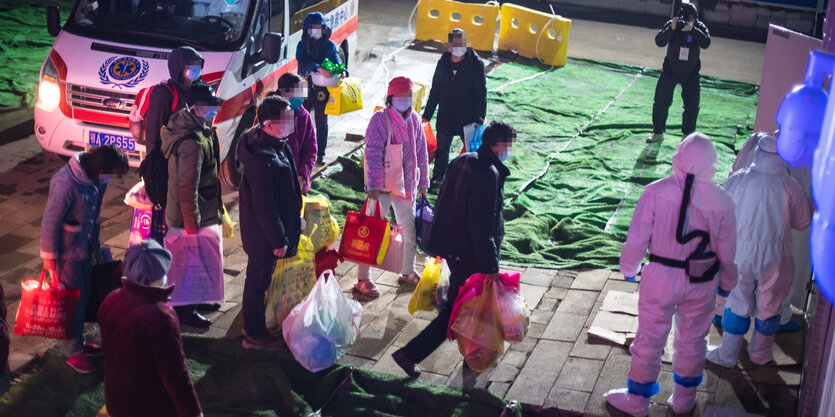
(459, 92)
(70, 234)
(271, 205)
(770, 203)
(145, 370)
(399, 124)
(687, 223)
(303, 139)
(467, 230)
(189, 143)
(185, 66)
(684, 37)
(314, 47)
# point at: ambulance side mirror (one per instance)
(271, 51)
(53, 20)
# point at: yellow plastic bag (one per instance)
(317, 214)
(478, 330)
(344, 98)
(228, 225)
(419, 95)
(293, 278)
(423, 299)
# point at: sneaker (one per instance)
(412, 278)
(320, 161)
(91, 350)
(435, 183)
(409, 367)
(656, 137)
(208, 307)
(267, 342)
(367, 289)
(195, 319)
(81, 364)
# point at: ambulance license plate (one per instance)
(126, 143)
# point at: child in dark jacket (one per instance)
(270, 213)
(303, 139)
(312, 50)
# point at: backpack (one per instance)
(140, 109)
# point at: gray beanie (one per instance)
(146, 263)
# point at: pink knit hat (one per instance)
(400, 85)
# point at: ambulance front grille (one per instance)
(103, 101)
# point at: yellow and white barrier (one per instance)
(534, 34)
(436, 18)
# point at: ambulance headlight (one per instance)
(49, 94)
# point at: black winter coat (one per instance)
(271, 199)
(461, 99)
(161, 100)
(674, 39)
(468, 223)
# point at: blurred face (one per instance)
(107, 177)
(401, 101)
(206, 111)
(503, 149)
(192, 71)
(282, 127)
(295, 95)
(457, 45)
(315, 31)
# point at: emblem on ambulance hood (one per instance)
(123, 72)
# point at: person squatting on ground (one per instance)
(314, 47)
(302, 139)
(467, 230)
(459, 92)
(399, 124)
(684, 37)
(685, 220)
(769, 204)
(184, 66)
(270, 210)
(145, 371)
(70, 234)
(190, 145)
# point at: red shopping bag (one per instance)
(365, 239)
(431, 141)
(45, 310)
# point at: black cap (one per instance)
(202, 93)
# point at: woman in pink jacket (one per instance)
(407, 131)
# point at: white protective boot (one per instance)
(726, 354)
(760, 349)
(636, 405)
(683, 399)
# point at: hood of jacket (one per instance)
(182, 123)
(77, 171)
(255, 143)
(177, 61)
(316, 18)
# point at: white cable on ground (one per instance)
(582, 130)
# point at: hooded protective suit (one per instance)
(769, 204)
(667, 290)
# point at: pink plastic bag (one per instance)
(473, 288)
(140, 227)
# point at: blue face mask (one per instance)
(296, 102)
(193, 72)
(401, 104)
(210, 115)
(504, 156)
(230, 2)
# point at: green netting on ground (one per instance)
(236, 382)
(587, 123)
(24, 44)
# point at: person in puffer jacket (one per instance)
(271, 205)
(70, 234)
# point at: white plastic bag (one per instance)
(322, 328)
(196, 265)
(137, 198)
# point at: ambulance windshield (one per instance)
(203, 24)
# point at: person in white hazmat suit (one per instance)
(687, 222)
(769, 204)
(800, 239)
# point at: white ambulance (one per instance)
(108, 50)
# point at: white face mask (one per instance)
(458, 51)
(401, 104)
(315, 33)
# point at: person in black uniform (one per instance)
(684, 37)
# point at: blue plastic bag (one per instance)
(424, 214)
(472, 136)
